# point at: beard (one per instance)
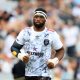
(40, 25)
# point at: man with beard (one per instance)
(38, 41)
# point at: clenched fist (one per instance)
(50, 65)
(25, 59)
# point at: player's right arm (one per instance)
(17, 45)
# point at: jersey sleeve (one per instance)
(56, 42)
(20, 38)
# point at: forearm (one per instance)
(59, 53)
(15, 49)
(55, 59)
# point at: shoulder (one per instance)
(52, 33)
(26, 29)
(50, 30)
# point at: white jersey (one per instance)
(39, 45)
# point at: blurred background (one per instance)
(63, 16)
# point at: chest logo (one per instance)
(46, 42)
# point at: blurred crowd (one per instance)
(63, 16)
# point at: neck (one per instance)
(38, 29)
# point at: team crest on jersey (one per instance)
(46, 42)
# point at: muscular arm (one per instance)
(58, 47)
(55, 58)
(59, 53)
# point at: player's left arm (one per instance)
(59, 53)
(58, 47)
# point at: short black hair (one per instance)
(41, 9)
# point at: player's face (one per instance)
(39, 21)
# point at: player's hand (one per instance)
(50, 65)
(25, 59)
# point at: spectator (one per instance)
(5, 63)
(9, 41)
(70, 70)
(70, 33)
